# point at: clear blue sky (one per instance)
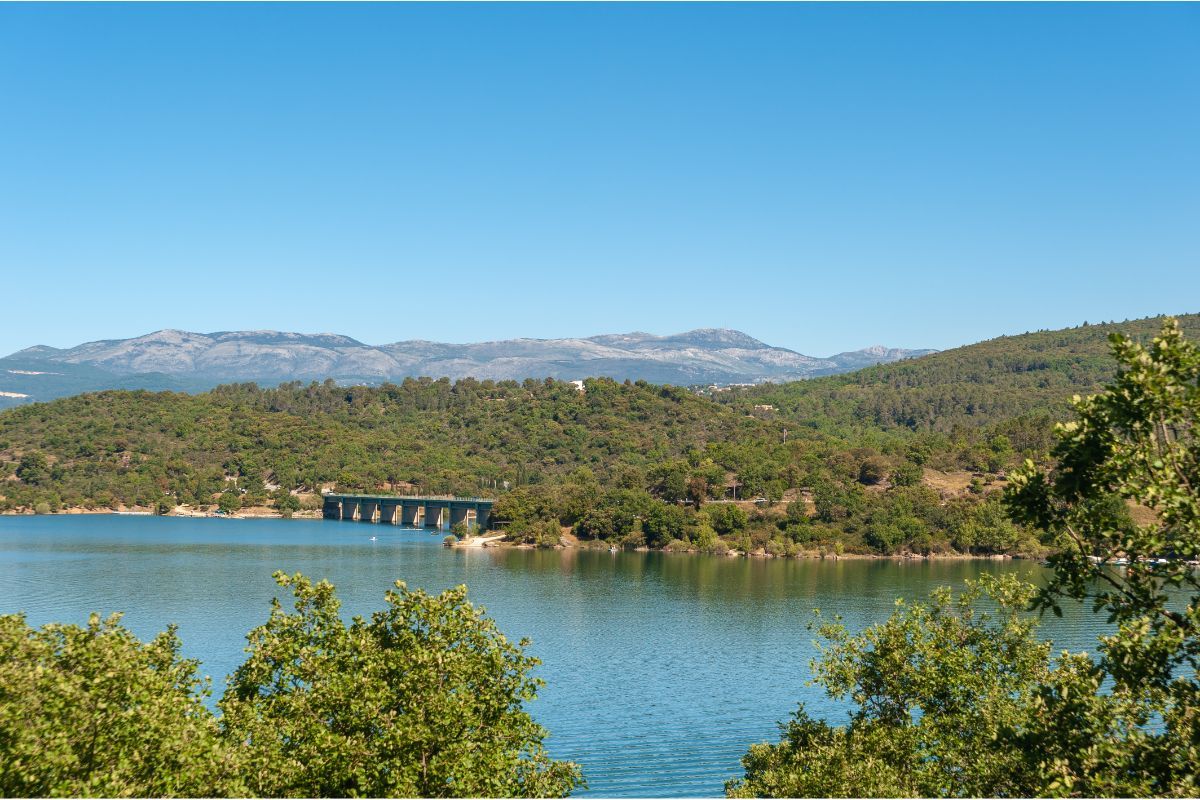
(821, 177)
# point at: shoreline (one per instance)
(138, 511)
(497, 541)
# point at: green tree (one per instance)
(663, 523)
(1135, 443)
(286, 503)
(725, 518)
(91, 711)
(423, 700)
(873, 470)
(987, 529)
(948, 703)
(934, 690)
(907, 474)
(34, 468)
(230, 502)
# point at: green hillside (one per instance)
(874, 461)
(980, 384)
(468, 436)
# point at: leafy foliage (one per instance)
(425, 699)
(91, 711)
(1137, 443)
(624, 463)
(1032, 375)
(556, 456)
(935, 690)
(948, 703)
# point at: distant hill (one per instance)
(992, 381)
(184, 361)
(920, 441)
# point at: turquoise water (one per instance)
(660, 669)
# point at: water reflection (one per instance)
(661, 668)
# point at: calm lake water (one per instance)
(660, 669)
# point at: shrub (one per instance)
(434, 705)
(725, 518)
(907, 474)
(873, 470)
(92, 711)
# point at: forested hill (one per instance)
(465, 437)
(977, 385)
(903, 457)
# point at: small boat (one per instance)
(373, 538)
(613, 550)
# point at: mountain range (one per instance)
(184, 361)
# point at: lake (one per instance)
(660, 669)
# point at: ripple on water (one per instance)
(660, 669)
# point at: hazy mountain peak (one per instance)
(286, 337)
(726, 337)
(174, 359)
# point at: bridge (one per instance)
(412, 512)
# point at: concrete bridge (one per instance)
(413, 512)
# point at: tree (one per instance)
(987, 528)
(92, 711)
(670, 481)
(34, 468)
(423, 700)
(286, 503)
(663, 523)
(873, 470)
(726, 518)
(907, 474)
(1137, 443)
(950, 704)
(230, 502)
(934, 689)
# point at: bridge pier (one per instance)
(331, 508)
(428, 512)
(433, 516)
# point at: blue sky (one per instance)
(823, 177)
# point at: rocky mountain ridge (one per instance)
(187, 361)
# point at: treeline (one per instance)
(978, 385)
(853, 503)
(627, 463)
(837, 464)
